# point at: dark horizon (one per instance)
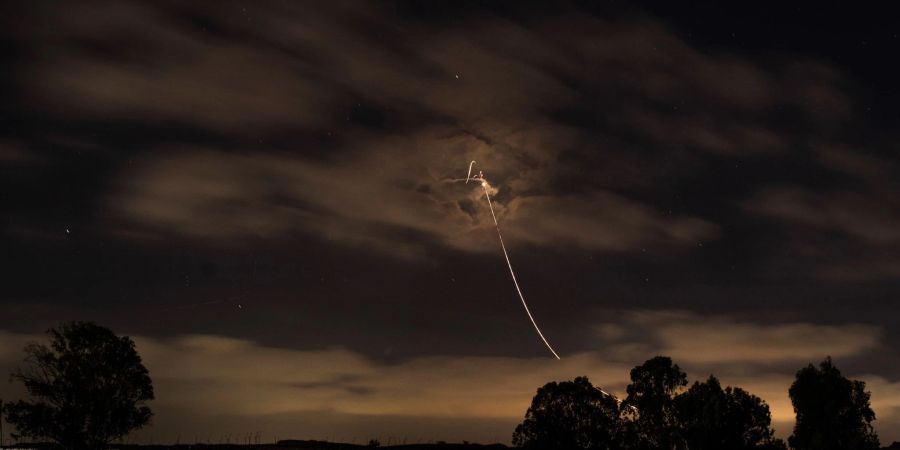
(258, 195)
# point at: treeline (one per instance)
(661, 413)
(88, 387)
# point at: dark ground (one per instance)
(284, 445)
(314, 445)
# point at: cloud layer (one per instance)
(392, 119)
(346, 122)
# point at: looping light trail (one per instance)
(484, 184)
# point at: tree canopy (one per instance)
(833, 412)
(570, 415)
(87, 387)
(650, 399)
(712, 418)
(657, 414)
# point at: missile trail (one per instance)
(618, 402)
(484, 184)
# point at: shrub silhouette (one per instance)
(87, 387)
(712, 418)
(570, 415)
(833, 412)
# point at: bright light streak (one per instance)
(485, 185)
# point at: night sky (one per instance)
(258, 193)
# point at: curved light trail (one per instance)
(484, 184)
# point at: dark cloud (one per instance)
(860, 209)
(497, 91)
(864, 217)
(226, 198)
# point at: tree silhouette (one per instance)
(570, 415)
(833, 412)
(649, 401)
(87, 387)
(712, 418)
